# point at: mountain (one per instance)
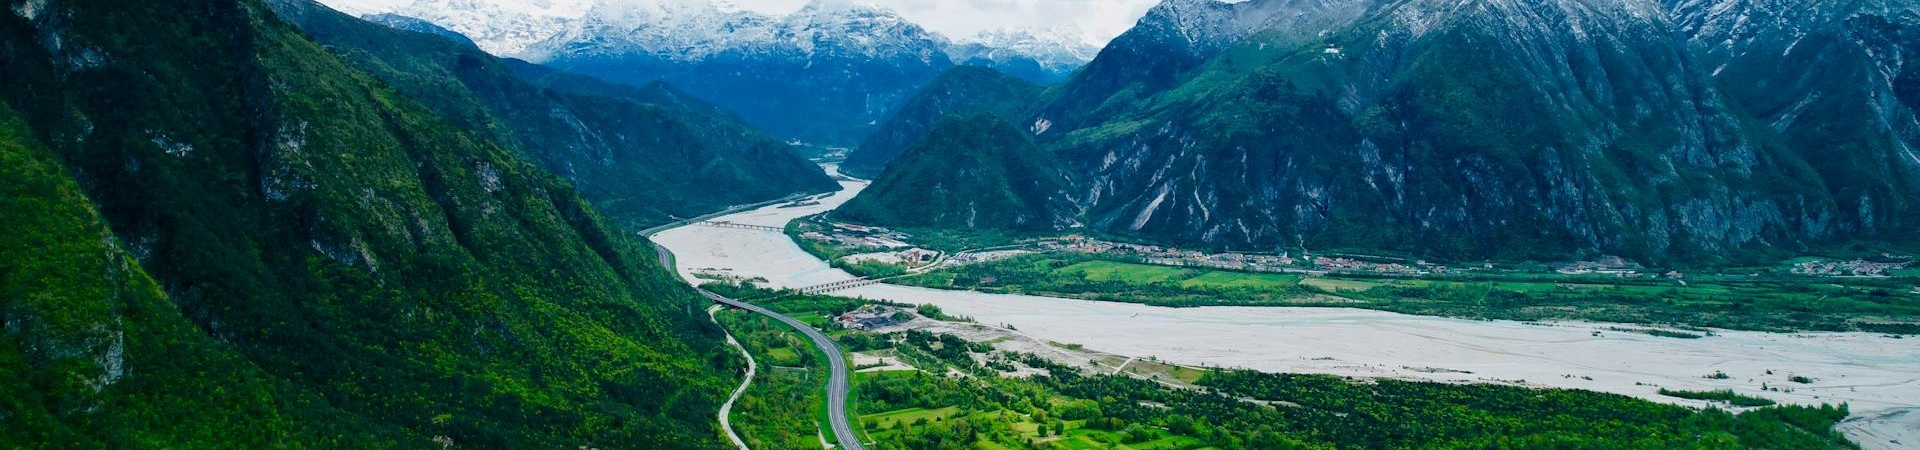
(1666, 131)
(984, 170)
(962, 90)
(642, 154)
(220, 235)
(397, 21)
(825, 74)
(1042, 57)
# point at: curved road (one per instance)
(726, 409)
(838, 386)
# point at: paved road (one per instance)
(726, 410)
(838, 385)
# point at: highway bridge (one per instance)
(739, 226)
(838, 286)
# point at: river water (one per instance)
(1878, 376)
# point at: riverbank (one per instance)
(1877, 375)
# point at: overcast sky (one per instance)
(1098, 20)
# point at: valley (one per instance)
(960, 224)
(1877, 375)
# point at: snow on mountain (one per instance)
(691, 30)
(501, 27)
(1051, 47)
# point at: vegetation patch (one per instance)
(959, 400)
(1725, 396)
(1684, 310)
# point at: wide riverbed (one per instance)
(1878, 376)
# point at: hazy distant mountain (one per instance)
(827, 74)
(1043, 57)
(1663, 130)
(643, 154)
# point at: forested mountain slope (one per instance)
(1688, 131)
(984, 170)
(643, 158)
(964, 90)
(289, 253)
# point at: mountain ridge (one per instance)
(825, 75)
(1578, 128)
(965, 90)
(643, 154)
(354, 269)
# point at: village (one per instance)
(1283, 262)
(1852, 268)
(877, 244)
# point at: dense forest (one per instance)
(221, 235)
(983, 172)
(642, 154)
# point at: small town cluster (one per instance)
(1284, 262)
(1853, 268)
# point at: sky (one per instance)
(1096, 20)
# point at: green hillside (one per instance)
(973, 171)
(962, 90)
(316, 260)
(1664, 132)
(642, 154)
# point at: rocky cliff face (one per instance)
(1497, 128)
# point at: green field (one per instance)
(895, 418)
(1770, 303)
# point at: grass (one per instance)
(1077, 439)
(1126, 272)
(1337, 284)
(784, 356)
(890, 419)
(1771, 302)
(1228, 279)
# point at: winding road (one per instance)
(726, 410)
(839, 388)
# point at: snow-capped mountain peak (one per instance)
(689, 30)
(1051, 46)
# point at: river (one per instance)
(1878, 376)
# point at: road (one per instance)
(726, 410)
(839, 386)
